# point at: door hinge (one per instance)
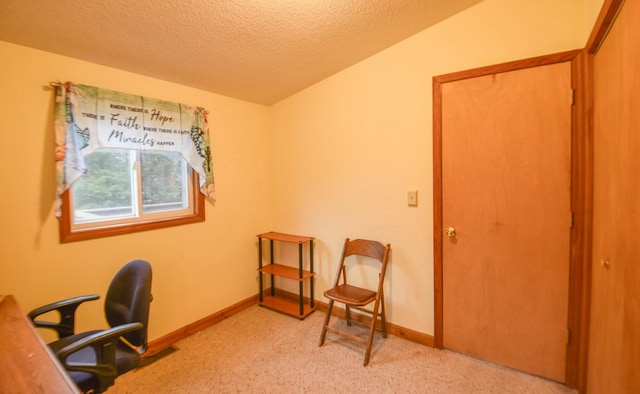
(572, 97)
(571, 219)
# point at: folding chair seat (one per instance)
(359, 252)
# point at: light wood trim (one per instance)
(505, 67)
(167, 340)
(581, 234)
(437, 212)
(66, 235)
(27, 364)
(392, 329)
(576, 282)
(607, 16)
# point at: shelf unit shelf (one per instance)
(299, 307)
(286, 272)
(287, 306)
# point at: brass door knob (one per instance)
(450, 232)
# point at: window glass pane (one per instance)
(164, 181)
(105, 191)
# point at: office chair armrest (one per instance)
(66, 309)
(104, 344)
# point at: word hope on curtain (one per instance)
(88, 118)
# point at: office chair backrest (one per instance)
(128, 299)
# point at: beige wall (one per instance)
(593, 10)
(198, 269)
(347, 149)
(332, 161)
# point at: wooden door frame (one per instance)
(581, 196)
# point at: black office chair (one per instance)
(94, 359)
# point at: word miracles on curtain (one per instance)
(89, 118)
(121, 125)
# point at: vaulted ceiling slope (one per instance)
(255, 50)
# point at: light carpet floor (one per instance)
(262, 351)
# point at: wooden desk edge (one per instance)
(23, 348)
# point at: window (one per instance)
(119, 162)
(125, 191)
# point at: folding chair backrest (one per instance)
(366, 248)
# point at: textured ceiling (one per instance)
(255, 50)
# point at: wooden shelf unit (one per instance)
(300, 308)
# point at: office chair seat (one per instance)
(94, 359)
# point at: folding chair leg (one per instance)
(383, 317)
(326, 323)
(372, 330)
(348, 314)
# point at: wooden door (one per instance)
(506, 161)
(614, 345)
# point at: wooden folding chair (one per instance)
(355, 297)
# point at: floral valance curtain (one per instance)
(88, 118)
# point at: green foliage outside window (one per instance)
(108, 182)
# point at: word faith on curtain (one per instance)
(88, 118)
